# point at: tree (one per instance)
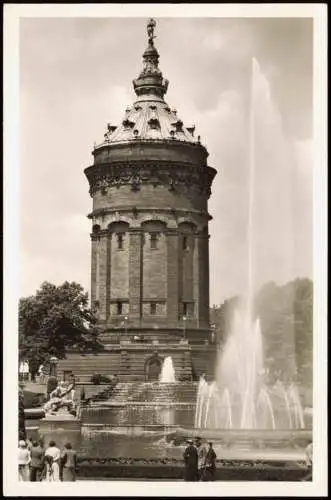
(286, 314)
(221, 316)
(53, 320)
(286, 318)
(303, 336)
(21, 416)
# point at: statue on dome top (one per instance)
(150, 30)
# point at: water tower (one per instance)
(150, 185)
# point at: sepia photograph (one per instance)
(164, 172)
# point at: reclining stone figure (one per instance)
(61, 397)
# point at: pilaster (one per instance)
(172, 276)
(135, 273)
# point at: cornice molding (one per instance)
(135, 211)
(105, 233)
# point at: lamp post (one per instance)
(53, 363)
(184, 324)
(126, 325)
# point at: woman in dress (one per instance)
(52, 461)
(24, 459)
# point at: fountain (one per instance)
(167, 375)
(240, 397)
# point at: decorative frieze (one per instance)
(174, 177)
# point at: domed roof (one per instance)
(149, 118)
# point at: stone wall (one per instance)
(149, 196)
(106, 363)
(128, 361)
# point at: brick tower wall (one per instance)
(173, 276)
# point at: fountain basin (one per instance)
(94, 468)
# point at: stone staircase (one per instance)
(154, 392)
(141, 405)
(96, 393)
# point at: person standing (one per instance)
(210, 464)
(29, 443)
(24, 459)
(68, 463)
(191, 462)
(37, 462)
(41, 374)
(309, 462)
(52, 460)
(202, 453)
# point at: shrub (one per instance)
(98, 379)
(33, 400)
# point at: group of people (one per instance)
(200, 461)
(35, 463)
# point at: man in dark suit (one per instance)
(191, 462)
(37, 462)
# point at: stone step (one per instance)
(154, 393)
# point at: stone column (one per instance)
(172, 276)
(109, 245)
(102, 262)
(135, 273)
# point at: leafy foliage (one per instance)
(21, 416)
(286, 315)
(54, 319)
(98, 378)
(33, 399)
(222, 316)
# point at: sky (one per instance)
(76, 76)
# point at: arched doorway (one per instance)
(153, 367)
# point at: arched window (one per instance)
(153, 309)
(155, 228)
(153, 240)
(119, 230)
(120, 238)
(187, 229)
(119, 308)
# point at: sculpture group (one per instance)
(62, 397)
